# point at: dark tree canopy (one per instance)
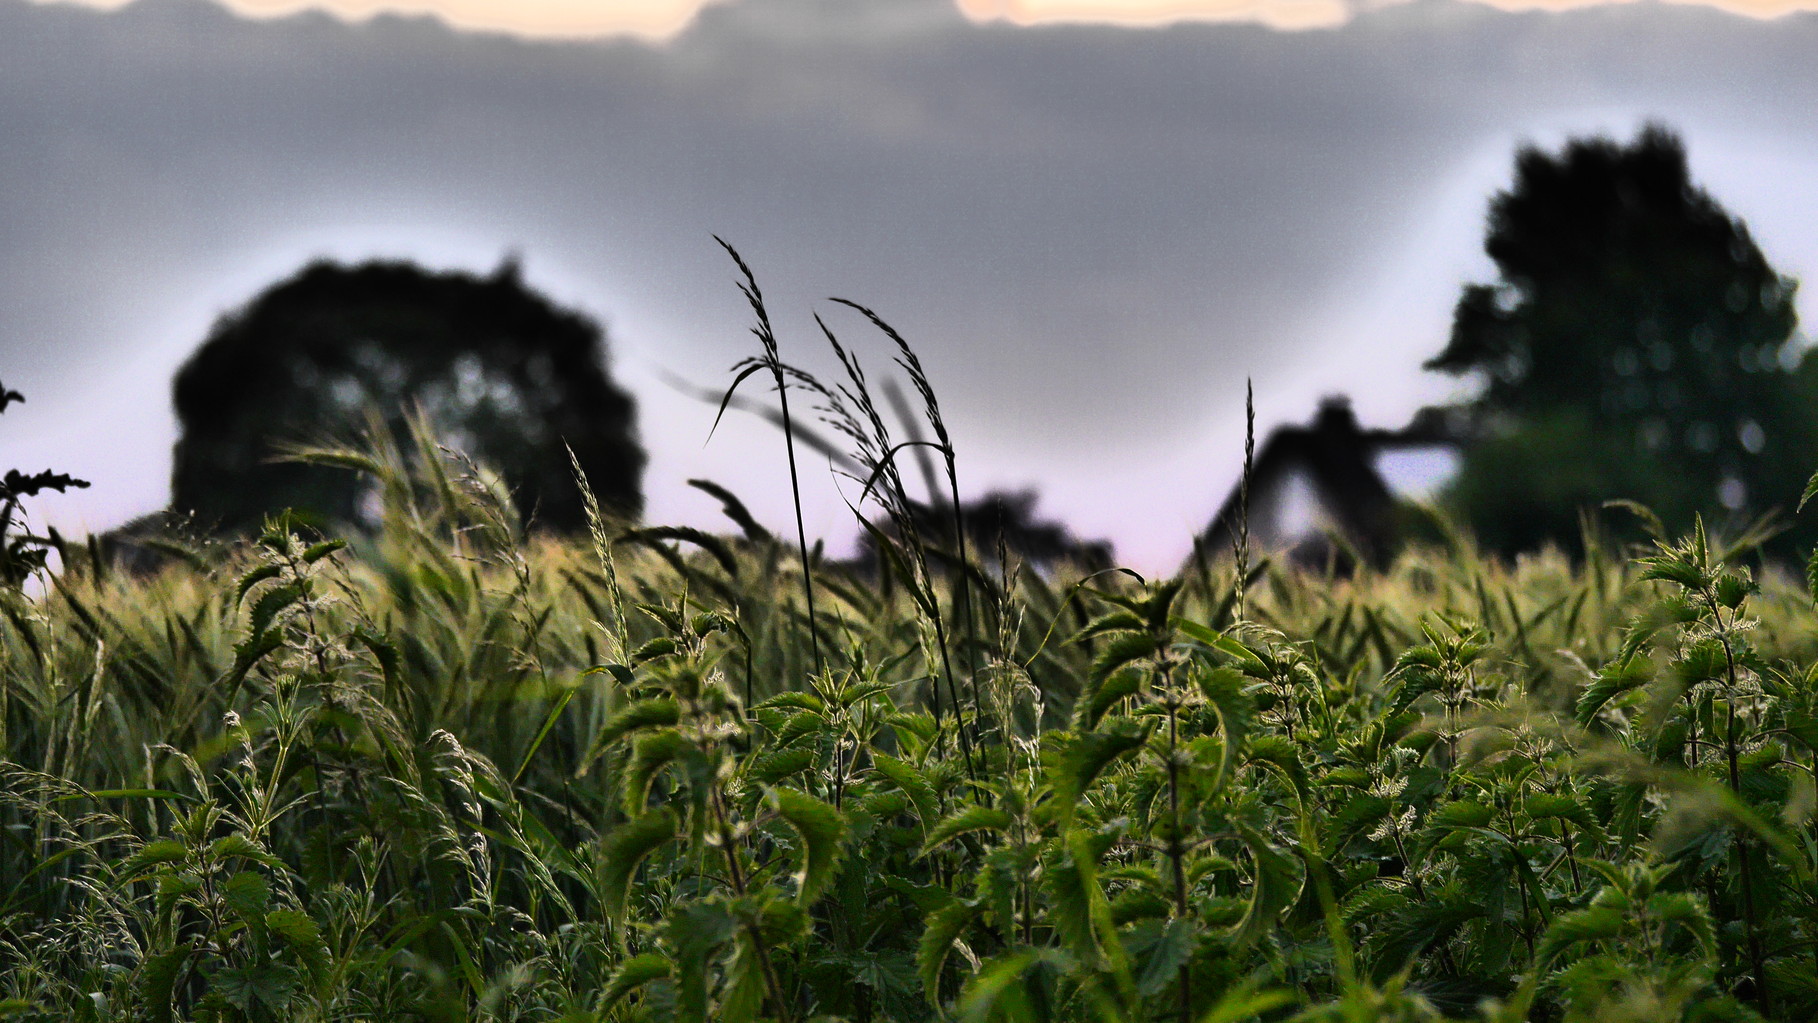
(1636, 346)
(504, 375)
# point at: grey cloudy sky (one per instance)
(1092, 233)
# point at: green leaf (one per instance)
(649, 755)
(246, 893)
(1616, 678)
(996, 992)
(944, 928)
(1274, 888)
(1100, 695)
(254, 578)
(628, 845)
(158, 980)
(913, 783)
(294, 927)
(263, 989)
(823, 833)
(652, 712)
(1162, 960)
(976, 817)
(317, 551)
(1811, 491)
(1074, 768)
(161, 851)
(1126, 647)
(1224, 691)
(770, 768)
(1593, 923)
(631, 975)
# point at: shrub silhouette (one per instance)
(1633, 348)
(504, 374)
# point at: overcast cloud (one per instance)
(1093, 234)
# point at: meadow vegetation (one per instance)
(450, 771)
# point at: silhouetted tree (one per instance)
(1636, 346)
(504, 374)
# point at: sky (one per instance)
(1093, 220)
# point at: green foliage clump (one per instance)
(453, 772)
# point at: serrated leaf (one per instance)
(913, 783)
(649, 755)
(1224, 691)
(1073, 769)
(294, 927)
(254, 578)
(628, 845)
(1123, 649)
(1100, 695)
(1274, 887)
(263, 989)
(1616, 678)
(1592, 923)
(158, 980)
(247, 893)
(823, 833)
(317, 551)
(637, 716)
(1162, 960)
(770, 768)
(631, 975)
(976, 817)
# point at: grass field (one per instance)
(452, 772)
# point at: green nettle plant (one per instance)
(21, 553)
(451, 771)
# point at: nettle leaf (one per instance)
(265, 609)
(1811, 491)
(1125, 648)
(631, 975)
(1274, 888)
(254, 578)
(1556, 806)
(662, 646)
(628, 845)
(1164, 954)
(265, 988)
(1224, 691)
(158, 980)
(1116, 621)
(1099, 695)
(913, 783)
(1278, 752)
(976, 817)
(1732, 589)
(945, 926)
(317, 551)
(1593, 923)
(773, 767)
(649, 755)
(693, 932)
(247, 894)
(161, 851)
(997, 991)
(1675, 570)
(639, 715)
(823, 832)
(1617, 677)
(795, 699)
(1073, 769)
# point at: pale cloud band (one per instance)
(662, 19)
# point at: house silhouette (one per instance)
(1318, 491)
